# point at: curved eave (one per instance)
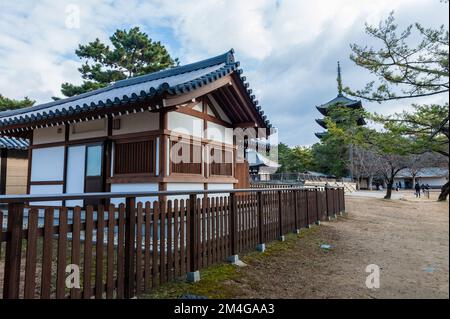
(320, 135)
(321, 122)
(361, 122)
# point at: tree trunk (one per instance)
(389, 189)
(370, 182)
(444, 192)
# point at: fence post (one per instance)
(308, 223)
(13, 251)
(335, 208)
(343, 199)
(297, 228)
(327, 201)
(318, 206)
(261, 247)
(280, 217)
(234, 258)
(194, 274)
(130, 240)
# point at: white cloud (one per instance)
(288, 48)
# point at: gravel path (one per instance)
(408, 239)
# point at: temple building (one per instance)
(167, 130)
(341, 100)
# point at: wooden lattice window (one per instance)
(134, 157)
(225, 166)
(192, 164)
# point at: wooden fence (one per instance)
(121, 251)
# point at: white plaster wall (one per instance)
(136, 187)
(47, 164)
(44, 190)
(219, 187)
(48, 135)
(138, 122)
(219, 133)
(75, 172)
(185, 124)
(183, 187)
(88, 129)
(432, 181)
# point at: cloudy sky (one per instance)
(287, 48)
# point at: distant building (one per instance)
(340, 99)
(260, 166)
(435, 177)
(13, 165)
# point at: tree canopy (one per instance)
(12, 104)
(132, 53)
(403, 70)
(409, 64)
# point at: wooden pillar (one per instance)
(13, 252)
(3, 170)
(130, 239)
(163, 154)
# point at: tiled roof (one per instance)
(320, 134)
(340, 99)
(175, 81)
(257, 159)
(424, 172)
(13, 143)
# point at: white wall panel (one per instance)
(185, 124)
(220, 187)
(183, 187)
(219, 133)
(44, 190)
(137, 187)
(48, 135)
(47, 164)
(138, 122)
(88, 129)
(75, 172)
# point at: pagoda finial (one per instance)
(339, 79)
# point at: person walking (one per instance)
(417, 188)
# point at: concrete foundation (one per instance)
(281, 238)
(318, 222)
(193, 276)
(297, 231)
(234, 260)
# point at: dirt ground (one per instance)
(408, 239)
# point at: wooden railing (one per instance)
(124, 250)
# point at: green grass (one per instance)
(222, 281)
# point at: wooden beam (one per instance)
(240, 90)
(183, 98)
(203, 116)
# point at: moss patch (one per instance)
(223, 281)
(216, 282)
